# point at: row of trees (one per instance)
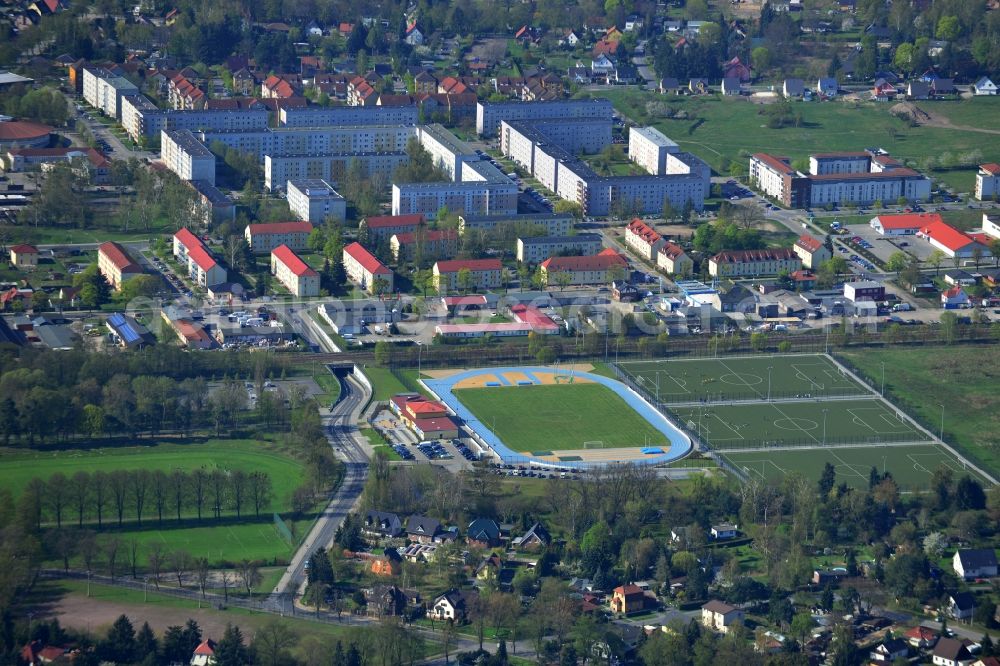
(140, 493)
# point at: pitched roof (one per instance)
(716, 606)
(20, 130)
(922, 633)
(908, 220)
(778, 164)
(483, 529)
(432, 236)
(285, 255)
(628, 590)
(977, 558)
(946, 235)
(672, 250)
(595, 262)
(455, 265)
(991, 168)
(951, 649)
(381, 221)
(808, 243)
(963, 600)
(643, 230)
(24, 249)
(741, 256)
(206, 647)
(280, 228)
(196, 249)
(366, 259)
(423, 525)
(117, 255)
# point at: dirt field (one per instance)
(622, 455)
(448, 372)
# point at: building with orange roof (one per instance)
(988, 181)
(812, 251)
(24, 257)
(599, 268)
(295, 274)
(644, 239)
(671, 258)
(955, 243)
(116, 265)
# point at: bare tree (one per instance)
(118, 485)
(138, 488)
(201, 571)
(180, 562)
(249, 575)
(747, 215)
(57, 496)
(178, 490)
(112, 550)
(272, 640)
(217, 490)
(198, 483)
(227, 579)
(160, 486)
(260, 491)
(157, 558)
(132, 556)
(99, 484)
(79, 492)
(238, 486)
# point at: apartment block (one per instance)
(484, 274)
(534, 249)
(265, 237)
(365, 270)
(289, 269)
(116, 265)
(648, 147)
(314, 200)
(489, 114)
(187, 157)
(193, 254)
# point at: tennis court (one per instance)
(750, 378)
(806, 423)
(911, 466)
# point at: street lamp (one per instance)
(941, 435)
(883, 378)
(145, 587)
(769, 368)
(824, 426)
(657, 387)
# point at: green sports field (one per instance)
(808, 423)
(744, 378)
(559, 417)
(229, 539)
(911, 466)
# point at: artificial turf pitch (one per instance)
(746, 378)
(559, 417)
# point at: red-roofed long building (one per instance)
(432, 244)
(294, 273)
(264, 238)
(484, 274)
(953, 242)
(730, 263)
(364, 268)
(644, 239)
(202, 267)
(594, 269)
(116, 265)
(386, 226)
(906, 224)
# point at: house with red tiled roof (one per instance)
(672, 259)
(626, 599)
(345, 29)
(434, 243)
(604, 47)
(921, 637)
(988, 181)
(599, 268)
(37, 653)
(360, 92)
(24, 257)
(905, 224)
(745, 263)
(643, 239)
(955, 298)
(452, 85)
(376, 228)
(183, 94)
(204, 654)
(955, 243)
(264, 237)
(812, 251)
(483, 274)
(115, 264)
(192, 252)
(278, 87)
(367, 271)
(295, 274)
(736, 69)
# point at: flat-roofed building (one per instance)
(314, 200)
(115, 264)
(534, 249)
(489, 114)
(266, 236)
(366, 270)
(348, 115)
(187, 157)
(988, 181)
(484, 274)
(648, 147)
(289, 269)
(549, 224)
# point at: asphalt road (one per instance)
(342, 432)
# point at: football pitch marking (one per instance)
(894, 424)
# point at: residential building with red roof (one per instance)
(264, 237)
(748, 263)
(921, 637)
(905, 224)
(184, 95)
(37, 653)
(955, 243)
(812, 251)
(643, 239)
(192, 252)
(429, 244)
(599, 268)
(672, 259)
(361, 93)
(363, 268)
(204, 654)
(384, 227)
(484, 274)
(527, 319)
(278, 87)
(955, 298)
(988, 181)
(626, 599)
(295, 274)
(115, 264)
(24, 257)
(532, 316)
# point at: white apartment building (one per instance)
(489, 114)
(313, 200)
(988, 181)
(265, 237)
(446, 150)
(672, 259)
(202, 267)
(548, 224)
(348, 115)
(289, 269)
(313, 141)
(141, 118)
(104, 90)
(648, 147)
(187, 157)
(534, 249)
(364, 269)
(477, 198)
(331, 167)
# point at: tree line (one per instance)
(119, 495)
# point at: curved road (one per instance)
(342, 432)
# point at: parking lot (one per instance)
(883, 246)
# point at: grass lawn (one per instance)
(742, 378)
(964, 379)
(25, 233)
(384, 383)
(717, 129)
(911, 466)
(330, 385)
(559, 417)
(229, 539)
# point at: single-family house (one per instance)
(941, 87)
(450, 606)
(827, 87)
(720, 616)
(483, 532)
(602, 66)
(918, 90)
(890, 650)
(669, 85)
(921, 637)
(955, 298)
(731, 86)
(381, 524)
(724, 531)
(736, 69)
(698, 86)
(387, 564)
(384, 601)
(977, 563)
(414, 35)
(204, 653)
(24, 257)
(422, 529)
(961, 605)
(793, 88)
(951, 652)
(535, 539)
(626, 599)
(959, 277)
(984, 86)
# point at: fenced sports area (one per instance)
(772, 415)
(743, 378)
(911, 466)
